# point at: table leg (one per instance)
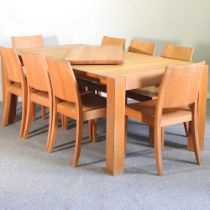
(202, 102)
(202, 108)
(115, 126)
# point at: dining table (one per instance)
(136, 71)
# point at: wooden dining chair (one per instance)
(113, 41)
(34, 41)
(38, 86)
(15, 84)
(68, 102)
(142, 47)
(171, 107)
(177, 52)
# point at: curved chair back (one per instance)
(63, 81)
(180, 85)
(20, 42)
(107, 40)
(142, 47)
(36, 71)
(12, 65)
(177, 52)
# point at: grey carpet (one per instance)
(30, 178)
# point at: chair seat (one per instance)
(142, 94)
(145, 111)
(40, 97)
(90, 103)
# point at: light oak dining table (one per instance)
(137, 71)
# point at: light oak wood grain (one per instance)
(14, 85)
(95, 55)
(171, 107)
(139, 71)
(113, 41)
(20, 42)
(177, 52)
(68, 102)
(39, 87)
(169, 51)
(142, 47)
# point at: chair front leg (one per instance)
(193, 136)
(78, 142)
(158, 150)
(28, 114)
(24, 113)
(54, 126)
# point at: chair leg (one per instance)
(28, 114)
(33, 111)
(158, 150)
(126, 133)
(193, 136)
(7, 105)
(186, 127)
(151, 136)
(24, 111)
(12, 112)
(92, 128)
(43, 112)
(50, 124)
(77, 149)
(64, 120)
(54, 127)
(162, 137)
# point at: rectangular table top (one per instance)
(140, 70)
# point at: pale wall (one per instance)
(185, 22)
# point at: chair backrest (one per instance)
(12, 65)
(63, 81)
(113, 41)
(36, 71)
(180, 85)
(20, 42)
(177, 52)
(142, 47)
